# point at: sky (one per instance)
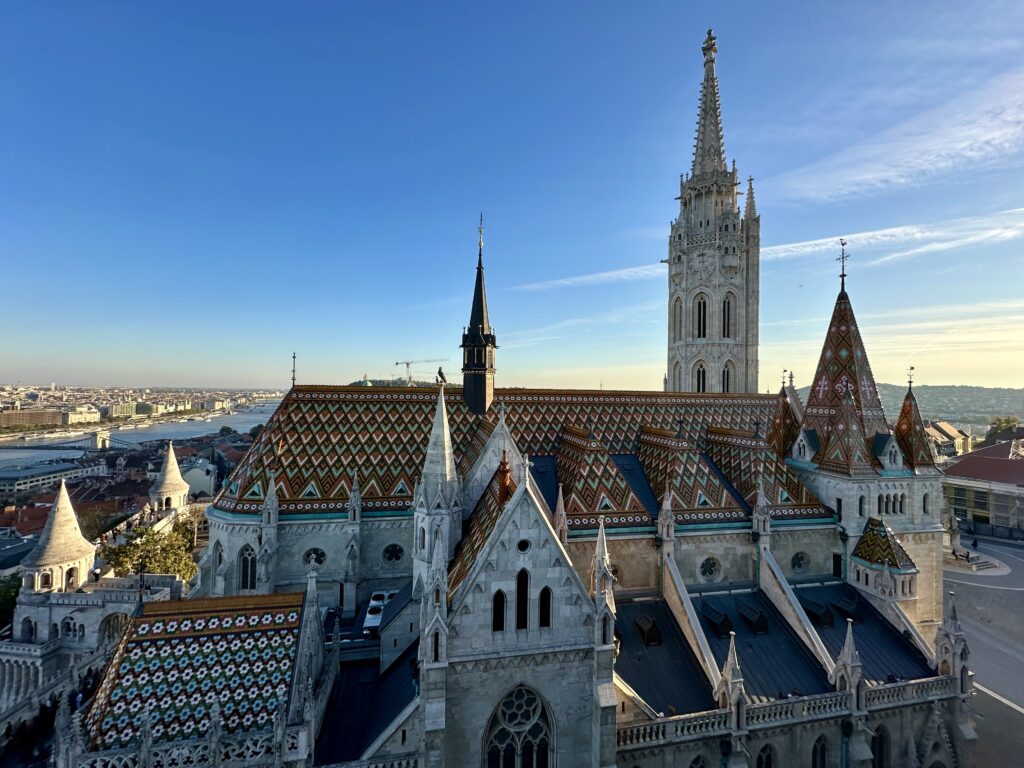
(189, 192)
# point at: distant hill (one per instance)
(963, 406)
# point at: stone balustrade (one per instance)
(403, 761)
(898, 694)
(670, 729)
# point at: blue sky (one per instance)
(191, 191)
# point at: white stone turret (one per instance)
(951, 651)
(603, 588)
(729, 691)
(170, 491)
(848, 673)
(437, 499)
(63, 557)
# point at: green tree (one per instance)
(9, 586)
(999, 423)
(169, 552)
(256, 431)
(226, 430)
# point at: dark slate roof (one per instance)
(886, 655)
(878, 545)
(880, 441)
(545, 474)
(667, 676)
(629, 466)
(776, 662)
(363, 703)
(11, 555)
(396, 605)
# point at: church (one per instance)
(555, 578)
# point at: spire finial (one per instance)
(293, 370)
(791, 378)
(480, 240)
(784, 372)
(709, 48)
(910, 378)
(842, 258)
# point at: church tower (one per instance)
(478, 344)
(713, 264)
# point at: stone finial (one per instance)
(666, 516)
(561, 519)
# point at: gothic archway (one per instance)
(520, 732)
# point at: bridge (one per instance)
(92, 441)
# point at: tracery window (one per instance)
(701, 378)
(519, 733)
(700, 320)
(247, 568)
(799, 562)
(314, 558)
(727, 317)
(766, 757)
(709, 569)
(727, 377)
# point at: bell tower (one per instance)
(478, 343)
(713, 263)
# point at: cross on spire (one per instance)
(293, 370)
(841, 258)
(910, 377)
(784, 372)
(480, 230)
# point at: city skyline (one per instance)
(222, 189)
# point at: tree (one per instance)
(999, 423)
(256, 431)
(9, 586)
(153, 552)
(226, 430)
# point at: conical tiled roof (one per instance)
(170, 480)
(878, 545)
(61, 540)
(911, 436)
(843, 368)
(846, 447)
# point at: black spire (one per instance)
(478, 343)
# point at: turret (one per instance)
(603, 585)
(170, 491)
(478, 344)
(63, 557)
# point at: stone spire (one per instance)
(355, 500)
(478, 343)
(910, 434)
(561, 525)
(61, 540)
(750, 211)
(709, 150)
(848, 672)
(439, 465)
(603, 576)
(729, 691)
(666, 517)
(270, 508)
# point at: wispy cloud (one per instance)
(626, 275)
(979, 129)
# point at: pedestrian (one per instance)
(974, 543)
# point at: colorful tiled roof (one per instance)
(324, 434)
(843, 367)
(878, 545)
(911, 435)
(178, 657)
(694, 485)
(785, 424)
(846, 448)
(591, 481)
(478, 529)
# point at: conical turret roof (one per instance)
(844, 372)
(910, 434)
(61, 540)
(170, 480)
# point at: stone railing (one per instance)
(670, 729)
(401, 761)
(897, 694)
(797, 708)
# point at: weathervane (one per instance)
(293, 370)
(784, 377)
(842, 257)
(910, 377)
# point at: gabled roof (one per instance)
(785, 424)
(178, 657)
(999, 463)
(61, 540)
(879, 546)
(478, 528)
(694, 484)
(844, 371)
(590, 479)
(911, 435)
(324, 434)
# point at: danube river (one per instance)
(242, 421)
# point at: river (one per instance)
(242, 421)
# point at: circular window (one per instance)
(710, 569)
(799, 562)
(314, 557)
(393, 553)
(523, 545)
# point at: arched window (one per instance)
(519, 732)
(727, 377)
(903, 503)
(218, 555)
(605, 630)
(766, 757)
(544, 614)
(860, 506)
(71, 579)
(45, 580)
(700, 378)
(880, 748)
(677, 319)
(924, 504)
(677, 377)
(727, 317)
(522, 599)
(247, 568)
(423, 539)
(28, 630)
(437, 646)
(700, 317)
(880, 504)
(498, 612)
(699, 762)
(819, 753)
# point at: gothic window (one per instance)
(544, 614)
(498, 612)
(860, 506)
(699, 762)
(880, 503)
(727, 318)
(880, 748)
(314, 558)
(701, 317)
(423, 539)
(924, 504)
(519, 733)
(677, 319)
(892, 456)
(247, 568)
(766, 757)
(701, 378)
(799, 562)
(727, 377)
(605, 633)
(709, 569)
(522, 599)
(393, 553)
(819, 753)
(437, 646)
(677, 377)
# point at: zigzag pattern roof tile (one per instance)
(589, 477)
(878, 545)
(910, 434)
(742, 457)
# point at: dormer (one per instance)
(889, 454)
(805, 447)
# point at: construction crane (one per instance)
(409, 363)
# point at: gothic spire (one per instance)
(750, 212)
(709, 150)
(478, 343)
(561, 520)
(439, 465)
(478, 320)
(910, 434)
